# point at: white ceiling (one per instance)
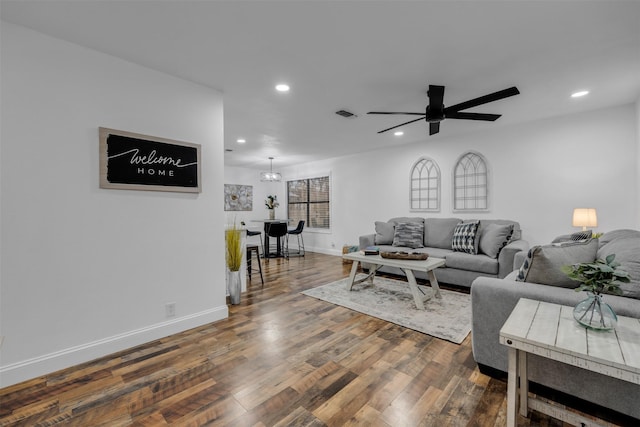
(362, 56)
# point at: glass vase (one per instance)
(593, 313)
(235, 287)
(272, 214)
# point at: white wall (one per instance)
(539, 172)
(87, 271)
(638, 157)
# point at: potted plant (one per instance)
(233, 238)
(595, 278)
(271, 203)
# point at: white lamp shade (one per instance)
(585, 217)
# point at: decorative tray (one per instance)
(404, 255)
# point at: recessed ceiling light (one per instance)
(282, 87)
(241, 140)
(398, 133)
(579, 93)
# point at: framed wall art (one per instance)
(131, 161)
(238, 197)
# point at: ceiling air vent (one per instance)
(345, 113)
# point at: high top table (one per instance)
(549, 330)
(408, 266)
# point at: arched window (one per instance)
(470, 183)
(425, 186)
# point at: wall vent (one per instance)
(345, 113)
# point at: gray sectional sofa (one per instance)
(493, 299)
(495, 244)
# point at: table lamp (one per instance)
(585, 217)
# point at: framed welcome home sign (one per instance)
(130, 161)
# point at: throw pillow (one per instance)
(464, 237)
(627, 252)
(544, 263)
(493, 238)
(581, 235)
(384, 233)
(409, 234)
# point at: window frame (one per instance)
(438, 182)
(307, 224)
(475, 175)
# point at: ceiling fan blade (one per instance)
(434, 128)
(473, 116)
(482, 100)
(411, 121)
(383, 112)
(436, 97)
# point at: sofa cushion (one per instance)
(464, 237)
(469, 262)
(438, 232)
(437, 252)
(544, 263)
(626, 247)
(384, 233)
(409, 234)
(493, 238)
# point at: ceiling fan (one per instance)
(437, 112)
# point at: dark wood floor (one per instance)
(281, 358)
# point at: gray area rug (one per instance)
(448, 318)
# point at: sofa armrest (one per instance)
(507, 255)
(367, 240)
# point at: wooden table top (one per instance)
(550, 330)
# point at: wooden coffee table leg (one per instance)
(352, 275)
(418, 297)
(434, 283)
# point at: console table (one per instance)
(549, 330)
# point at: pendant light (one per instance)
(270, 176)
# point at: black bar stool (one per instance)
(298, 233)
(277, 230)
(250, 250)
(253, 233)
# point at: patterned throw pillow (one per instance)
(581, 235)
(464, 237)
(409, 234)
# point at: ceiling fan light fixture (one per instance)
(270, 176)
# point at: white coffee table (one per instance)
(549, 330)
(408, 266)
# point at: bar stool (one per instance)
(298, 233)
(250, 250)
(253, 233)
(279, 231)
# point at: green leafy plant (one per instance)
(271, 202)
(598, 276)
(233, 238)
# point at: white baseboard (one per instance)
(38, 366)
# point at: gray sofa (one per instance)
(493, 299)
(496, 244)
